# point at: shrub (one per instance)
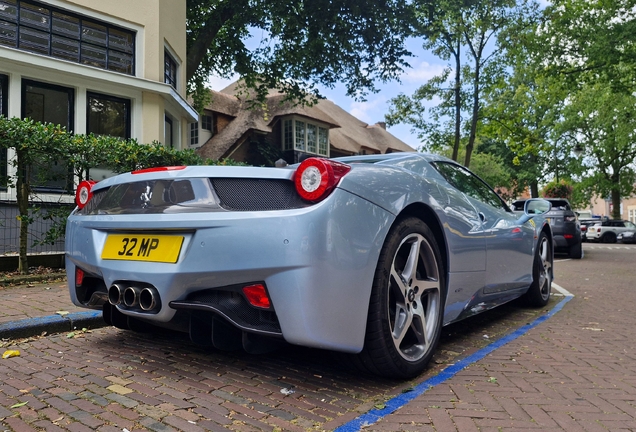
(558, 189)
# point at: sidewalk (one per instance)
(33, 308)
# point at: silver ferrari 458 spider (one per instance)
(367, 255)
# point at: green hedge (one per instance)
(43, 145)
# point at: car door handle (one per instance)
(482, 217)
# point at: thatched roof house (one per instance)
(283, 130)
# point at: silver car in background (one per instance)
(367, 255)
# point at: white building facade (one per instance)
(114, 67)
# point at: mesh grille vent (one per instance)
(241, 194)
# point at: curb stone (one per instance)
(23, 279)
(51, 324)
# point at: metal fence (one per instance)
(44, 218)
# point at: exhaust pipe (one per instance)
(148, 299)
(131, 296)
(115, 294)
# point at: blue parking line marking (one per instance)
(398, 402)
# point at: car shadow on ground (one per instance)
(310, 373)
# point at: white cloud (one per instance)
(371, 111)
(422, 72)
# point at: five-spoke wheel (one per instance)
(407, 302)
(539, 292)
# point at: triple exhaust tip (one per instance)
(147, 299)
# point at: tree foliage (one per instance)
(295, 45)
(32, 142)
(585, 40)
(604, 124)
(450, 28)
(591, 51)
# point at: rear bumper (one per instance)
(317, 262)
(561, 242)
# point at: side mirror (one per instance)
(532, 208)
(537, 206)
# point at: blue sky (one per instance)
(423, 67)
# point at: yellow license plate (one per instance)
(133, 247)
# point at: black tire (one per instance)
(538, 294)
(608, 237)
(576, 251)
(407, 303)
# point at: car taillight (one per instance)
(83, 194)
(315, 178)
(159, 169)
(257, 296)
(79, 276)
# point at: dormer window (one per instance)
(306, 136)
(206, 123)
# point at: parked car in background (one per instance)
(368, 255)
(565, 226)
(608, 230)
(585, 224)
(626, 237)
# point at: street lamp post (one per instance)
(578, 150)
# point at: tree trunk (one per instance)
(616, 197)
(199, 47)
(458, 102)
(22, 197)
(473, 121)
(534, 189)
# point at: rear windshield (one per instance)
(556, 205)
(154, 196)
(560, 205)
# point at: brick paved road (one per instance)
(575, 372)
(566, 368)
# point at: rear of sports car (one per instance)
(232, 256)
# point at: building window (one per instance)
(170, 70)
(312, 137)
(107, 115)
(47, 103)
(206, 122)
(168, 133)
(4, 109)
(194, 134)
(306, 137)
(323, 141)
(288, 135)
(300, 135)
(45, 30)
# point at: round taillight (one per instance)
(315, 178)
(83, 194)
